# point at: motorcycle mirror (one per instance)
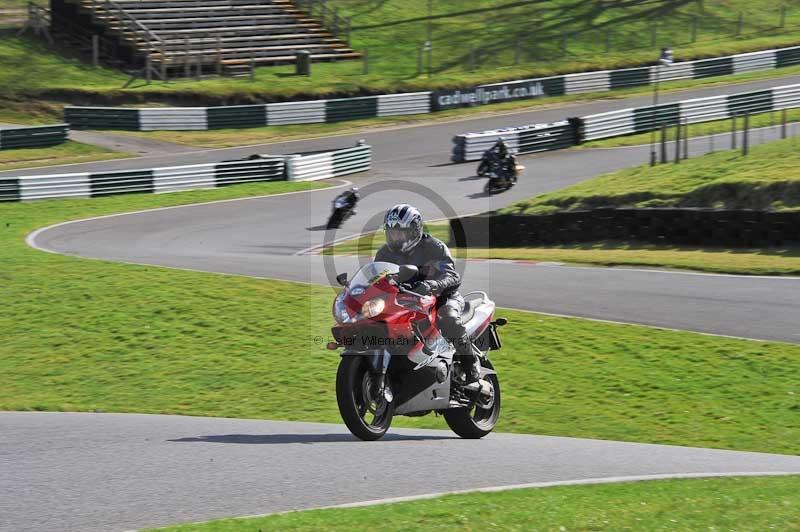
(407, 272)
(342, 279)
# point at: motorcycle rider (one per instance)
(500, 149)
(407, 244)
(505, 158)
(350, 198)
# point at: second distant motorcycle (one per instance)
(503, 175)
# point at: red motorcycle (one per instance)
(396, 362)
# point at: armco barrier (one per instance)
(318, 111)
(33, 136)
(241, 116)
(544, 137)
(330, 164)
(526, 139)
(662, 225)
(644, 119)
(179, 178)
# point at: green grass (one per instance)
(745, 261)
(393, 30)
(766, 179)
(13, 4)
(703, 129)
(68, 153)
(92, 335)
(761, 503)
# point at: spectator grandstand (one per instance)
(169, 38)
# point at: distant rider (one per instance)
(350, 198)
(407, 244)
(505, 158)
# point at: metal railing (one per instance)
(339, 26)
(155, 45)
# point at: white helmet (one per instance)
(403, 227)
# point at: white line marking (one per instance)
(532, 485)
(31, 238)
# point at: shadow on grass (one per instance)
(282, 439)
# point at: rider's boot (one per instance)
(470, 358)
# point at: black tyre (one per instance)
(483, 168)
(367, 417)
(480, 420)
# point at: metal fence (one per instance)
(179, 178)
(320, 111)
(33, 137)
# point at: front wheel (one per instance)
(483, 168)
(366, 414)
(335, 220)
(479, 420)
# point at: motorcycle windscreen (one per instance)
(373, 273)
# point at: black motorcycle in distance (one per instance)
(342, 210)
(485, 166)
(503, 175)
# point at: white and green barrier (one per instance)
(337, 110)
(546, 137)
(179, 178)
(33, 136)
(644, 119)
(241, 116)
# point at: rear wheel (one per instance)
(366, 414)
(480, 419)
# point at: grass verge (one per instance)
(766, 179)
(473, 41)
(760, 503)
(86, 335)
(68, 153)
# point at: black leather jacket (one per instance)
(350, 197)
(434, 261)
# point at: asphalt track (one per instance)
(108, 472)
(111, 472)
(262, 237)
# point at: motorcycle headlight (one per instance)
(340, 310)
(373, 307)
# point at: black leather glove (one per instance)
(425, 288)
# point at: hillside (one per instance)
(473, 41)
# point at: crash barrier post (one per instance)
(320, 111)
(33, 136)
(684, 226)
(180, 178)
